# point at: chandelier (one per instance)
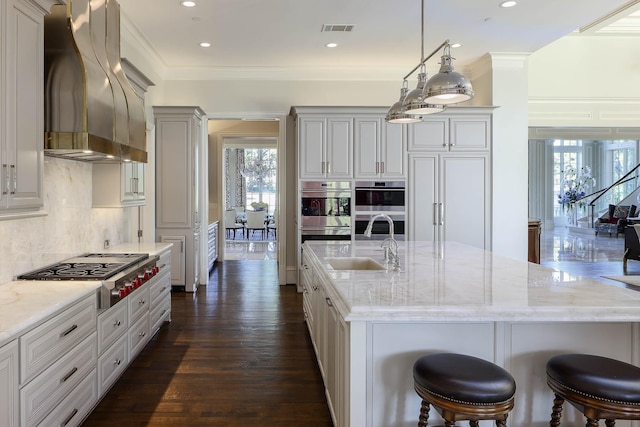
(258, 169)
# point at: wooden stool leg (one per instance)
(449, 423)
(424, 414)
(501, 423)
(591, 422)
(610, 423)
(473, 423)
(556, 411)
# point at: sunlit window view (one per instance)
(259, 173)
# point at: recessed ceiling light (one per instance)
(508, 3)
(205, 44)
(188, 3)
(455, 45)
(331, 45)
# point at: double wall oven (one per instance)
(375, 197)
(325, 210)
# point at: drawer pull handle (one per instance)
(142, 334)
(68, 331)
(117, 362)
(329, 303)
(66, 377)
(117, 323)
(69, 418)
(141, 302)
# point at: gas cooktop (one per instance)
(92, 266)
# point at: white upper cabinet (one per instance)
(457, 129)
(325, 147)
(22, 107)
(118, 185)
(378, 149)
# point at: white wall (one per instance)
(585, 81)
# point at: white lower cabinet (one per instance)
(48, 342)
(9, 384)
(41, 395)
(138, 336)
(329, 334)
(77, 405)
(112, 364)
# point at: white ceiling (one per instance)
(272, 36)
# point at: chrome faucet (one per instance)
(390, 244)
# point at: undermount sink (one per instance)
(356, 263)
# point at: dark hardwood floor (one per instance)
(237, 353)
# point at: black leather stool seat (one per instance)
(597, 377)
(463, 379)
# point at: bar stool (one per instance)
(599, 387)
(463, 387)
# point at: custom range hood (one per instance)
(92, 112)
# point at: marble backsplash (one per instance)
(70, 227)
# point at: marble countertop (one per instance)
(26, 303)
(449, 281)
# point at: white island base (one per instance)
(369, 327)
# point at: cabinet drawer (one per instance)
(112, 364)
(45, 344)
(111, 324)
(138, 303)
(161, 288)
(161, 312)
(76, 406)
(42, 394)
(138, 336)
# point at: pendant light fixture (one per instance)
(448, 86)
(430, 96)
(414, 103)
(396, 113)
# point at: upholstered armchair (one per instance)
(615, 220)
(631, 245)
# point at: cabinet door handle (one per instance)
(66, 377)
(328, 167)
(142, 334)
(329, 303)
(322, 167)
(14, 179)
(381, 167)
(377, 167)
(441, 213)
(68, 331)
(69, 418)
(435, 214)
(116, 323)
(5, 176)
(117, 362)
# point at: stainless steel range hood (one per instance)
(92, 112)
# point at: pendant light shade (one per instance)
(448, 86)
(415, 103)
(396, 113)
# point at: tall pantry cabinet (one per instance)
(180, 134)
(449, 186)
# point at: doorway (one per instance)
(250, 198)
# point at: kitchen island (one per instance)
(369, 326)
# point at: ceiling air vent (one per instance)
(340, 28)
